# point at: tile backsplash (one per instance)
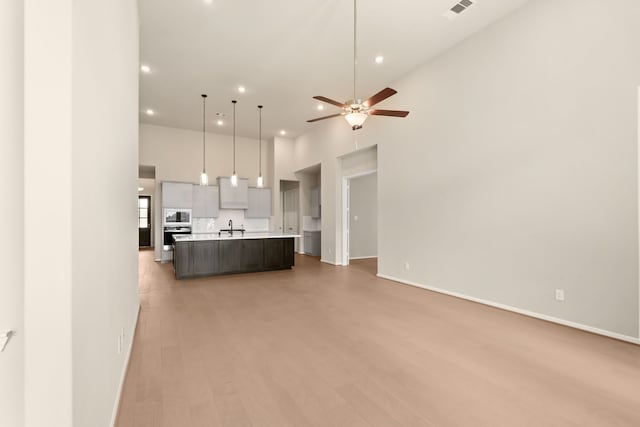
(310, 224)
(203, 225)
(211, 225)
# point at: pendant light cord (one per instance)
(260, 142)
(355, 51)
(234, 136)
(204, 114)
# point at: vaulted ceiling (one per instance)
(284, 52)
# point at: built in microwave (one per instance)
(176, 217)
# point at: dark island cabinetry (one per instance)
(214, 257)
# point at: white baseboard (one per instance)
(123, 375)
(329, 262)
(552, 319)
(363, 257)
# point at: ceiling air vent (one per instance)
(457, 9)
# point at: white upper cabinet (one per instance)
(259, 203)
(315, 202)
(206, 201)
(177, 195)
(234, 197)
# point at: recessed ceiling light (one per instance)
(220, 122)
(379, 59)
(242, 89)
(208, 1)
(320, 107)
(145, 68)
(283, 132)
(150, 112)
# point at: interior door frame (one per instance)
(149, 219)
(638, 177)
(346, 184)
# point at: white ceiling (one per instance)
(284, 52)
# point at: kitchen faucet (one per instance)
(231, 229)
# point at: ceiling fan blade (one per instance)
(325, 117)
(380, 96)
(392, 113)
(330, 101)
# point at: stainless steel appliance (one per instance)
(174, 217)
(167, 236)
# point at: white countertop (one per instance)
(236, 236)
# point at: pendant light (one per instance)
(260, 181)
(234, 177)
(204, 178)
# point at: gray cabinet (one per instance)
(205, 258)
(252, 255)
(214, 257)
(315, 202)
(183, 259)
(205, 201)
(234, 197)
(231, 259)
(279, 253)
(177, 195)
(259, 203)
(312, 243)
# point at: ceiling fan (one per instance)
(355, 111)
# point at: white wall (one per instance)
(516, 171)
(47, 161)
(363, 216)
(105, 237)
(177, 156)
(80, 146)
(11, 188)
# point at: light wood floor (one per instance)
(335, 346)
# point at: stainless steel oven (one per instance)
(169, 232)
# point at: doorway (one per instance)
(290, 200)
(146, 212)
(360, 216)
(144, 221)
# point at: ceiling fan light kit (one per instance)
(355, 111)
(356, 119)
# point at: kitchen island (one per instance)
(201, 255)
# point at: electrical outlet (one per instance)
(560, 294)
(407, 266)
